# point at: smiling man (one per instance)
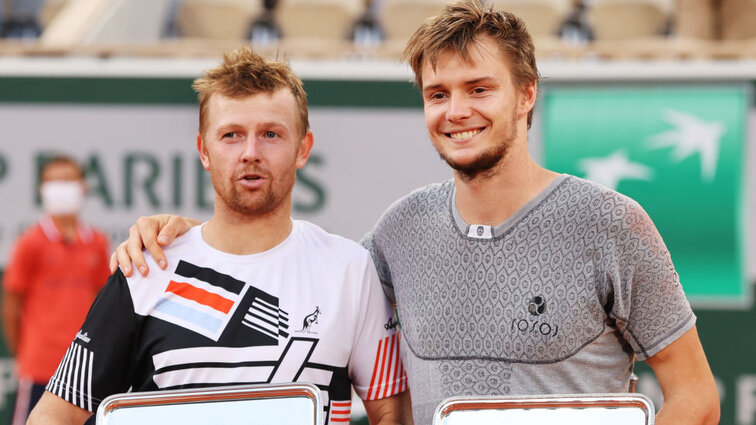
(529, 282)
(510, 278)
(230, 306)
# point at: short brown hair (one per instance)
(461, 24)
(244, 73)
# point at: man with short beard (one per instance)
(512, 279)
(250, 296)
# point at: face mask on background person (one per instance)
(62, 197)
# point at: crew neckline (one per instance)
(195, 234)
(486, 232)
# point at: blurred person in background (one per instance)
(55, 271)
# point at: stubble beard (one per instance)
(486, 164)
(260, 203)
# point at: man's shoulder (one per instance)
(315, 237)
(32, 234)
(422, 200)
(30, 241)
(597, 196)
(601, 208)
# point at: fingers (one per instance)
(174, 226)
(123, 260)
(131, 250)
(147, 231)
(113, 263)
(151, 233)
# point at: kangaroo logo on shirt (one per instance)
(309, 320)
(391, 324)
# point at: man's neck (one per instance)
(242, 234)
(66, 225)
(491, 199)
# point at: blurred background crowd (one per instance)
(718, 29)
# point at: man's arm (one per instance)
(153, 233)
(12, 305)
(690, 393)
(53, 410)
(391, 410)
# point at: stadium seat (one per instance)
(400, 18)
(88, 22)
(695, 19)
(628, 19)
(542, 17)
(216, 19)
(318, 19)
(738, 19)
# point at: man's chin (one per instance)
(471, 168)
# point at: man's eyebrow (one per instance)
(431, 87)
(479, 80)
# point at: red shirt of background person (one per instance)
(57, 267)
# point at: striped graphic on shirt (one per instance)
(267, 318)
(236, 365)
(72, 380)
(202, 302)
(340, 411)
(388, 371)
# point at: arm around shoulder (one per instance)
(53, 410)
(690, 393)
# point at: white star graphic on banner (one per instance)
(691, 135)
(609, 170)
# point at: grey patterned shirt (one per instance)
(560, 298)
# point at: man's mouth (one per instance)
(249, 178)
(464, 135)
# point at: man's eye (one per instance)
(271, 134)
(479, 90)
(437, 96)
(229, 135)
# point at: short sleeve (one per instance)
(370, 243)
(20, 268)
(649, 303)
(375, 366)
(100, 359)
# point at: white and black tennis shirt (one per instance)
(309, 310)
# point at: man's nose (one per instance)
(251, 151)
(459, 108)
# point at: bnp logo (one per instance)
(689, 135)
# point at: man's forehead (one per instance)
(277, 106)
(220, 97)
(475, 53)
(61, 169)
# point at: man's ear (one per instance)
(528, 96)
(202, 149)
(305, 146)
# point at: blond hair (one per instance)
(463, 23)
(244, 73)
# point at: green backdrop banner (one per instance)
(676, 150)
